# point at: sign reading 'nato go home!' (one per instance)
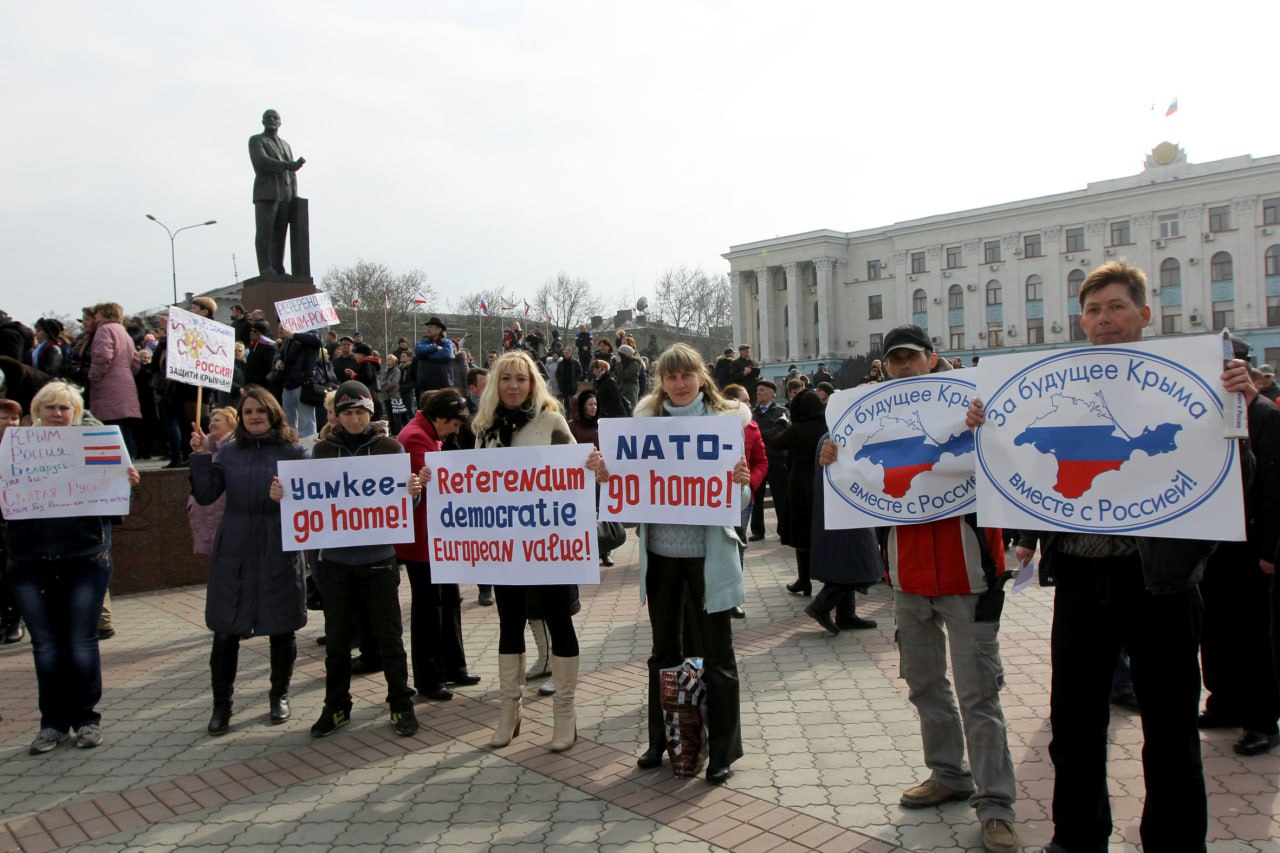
(904, 454)
(1117, 439)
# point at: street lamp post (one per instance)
(173, 263)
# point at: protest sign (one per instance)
(672, 470)
(1121, 439)
(314, 311)
(200, 351)
(905, 455)
(360, 500)
(63, 472)
(513, 515)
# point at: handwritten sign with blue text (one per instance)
(513, 515)
(1124, 439)
(331, 503)
(63, 472)
(672, 470)
(905, 455)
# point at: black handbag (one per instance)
(610, 535)
(313, 393)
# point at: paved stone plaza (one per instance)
(829, 735)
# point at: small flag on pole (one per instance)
(1173, 107)
(527, 308)
(419, 298)
(484, 308)
(386, 302)
(355, 302)
(506, 307)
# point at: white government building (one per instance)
(1006, 277)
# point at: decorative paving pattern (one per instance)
(830, 740)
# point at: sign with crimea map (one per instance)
(1119, 439)
(904, 454)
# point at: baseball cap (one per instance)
(909, 336)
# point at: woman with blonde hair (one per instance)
(679, 560)
(204, 520)
(58, 570)
(517, 410)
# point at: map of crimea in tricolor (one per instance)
(1085, 440)
(903, 457)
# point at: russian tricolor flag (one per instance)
(1173, 108)
(484, 308)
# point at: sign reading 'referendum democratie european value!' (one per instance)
(1118, 439)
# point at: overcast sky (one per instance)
(495, 144)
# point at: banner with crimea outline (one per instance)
(513, 516)
(904, 455)
(1124, 440)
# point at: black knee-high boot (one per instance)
(223, 659)
(823, 603)
(284, 651)
(847, 618)
(802, 586)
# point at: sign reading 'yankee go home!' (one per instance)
(1116, 439)
(904, 454)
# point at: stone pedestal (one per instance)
(264, 291)
(152, 547)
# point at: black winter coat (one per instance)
(255, 587)
(801, 440)
(847, 557)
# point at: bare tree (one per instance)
(566, 302)
(692, 300)
(374, 286)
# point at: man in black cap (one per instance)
(743, 371)
(344, 361)
(723, 366)
(768, 414)
(822, 375)
(433, 359)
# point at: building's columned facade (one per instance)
(993, 279)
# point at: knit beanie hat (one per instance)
(352, 394)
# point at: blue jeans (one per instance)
(299, 415)
(61, 602)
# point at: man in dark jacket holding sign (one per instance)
(950, 573)
(1126, 592)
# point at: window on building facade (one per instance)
(917, 262)
(1170, 273)
(1035, 331)
(1171, 324)
(1273, 310)
(1032, 247)
(1221, 268)
(919, 302)
(1120, 233)
(957, 337)
(1271, 211)
(1220, 218)
(1224, 315)
(1075, 278)
(1271, 260)
(991, 252)
(875, 310)
(1169, 226)
(1075, 239)
(995, 335)
(874, 270)
(955, 297)
(953, 257)
(1077, 331)
(994, 294)
(877, 342)
(1035, 288)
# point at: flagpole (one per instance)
(385, 342)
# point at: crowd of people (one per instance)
(1159, 617)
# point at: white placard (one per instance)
(672, 470)
(905, 455)
(199, 351)
(63, 472)
(513, 516)
(1112, 439)
(331, 503)
(314, 311)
